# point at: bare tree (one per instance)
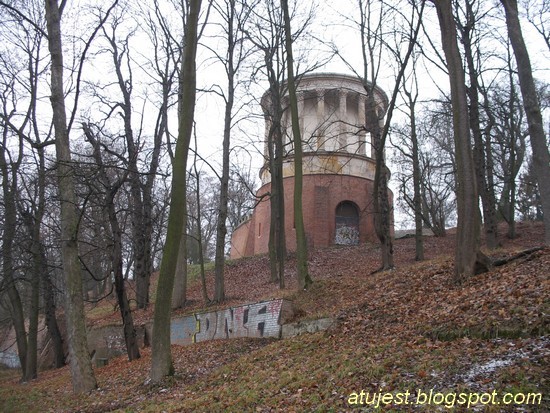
(167, 54)
(436, 163)
(541, 156)
(412, 153)
(372, 42)
(233, 14)
(108, 195)
(199, 228)
(266, 33)
(23, 68)
(141, 254)
(23, 190)
(468, 255)
(467, 30)
(161, 360)
(304, 278)
(509, 147)
(81, 369)
(538, 14)
(10, 162)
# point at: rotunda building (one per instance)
(338, 168)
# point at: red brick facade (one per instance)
(321, 196)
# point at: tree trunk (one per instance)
(38, 267)
(273, 232)
(9, 189)
(219, 292)
(382, 208)
(200, 240)
(489, 162)
(161, 359)
(277, 238)
(539, 144)
(489, 218)
(278, 183)
(83, 378)
(510, 191)
(139, 229)
(221, 232)
(16, 306)
(51, 321)
(115, 231)
(304, 279)
(130, 336)
(417, 197)
(179, 295)
(468, 226)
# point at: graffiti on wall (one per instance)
(346, 235)
(10, 359)
(250, 320)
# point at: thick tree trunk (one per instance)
(273, 234)
(277, 239)
(304, 279)
(51, 321)
(382, 209)
(161, 359)
(467, 250)
(277, 182)
(539, 144)
(381, 205)
(33, 223)
(179, 295)
(81, 368)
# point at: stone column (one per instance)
(343, 117)
(321, 119)
(300, 96)
(362, 114)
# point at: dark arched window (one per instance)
(347, 224)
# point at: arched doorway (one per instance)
(347, 224)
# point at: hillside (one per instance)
(407, 330)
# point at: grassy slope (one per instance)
(403, 330)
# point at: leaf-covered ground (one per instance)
(398, 332)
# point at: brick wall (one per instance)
(321, 195)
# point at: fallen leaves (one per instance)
(407, 329)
